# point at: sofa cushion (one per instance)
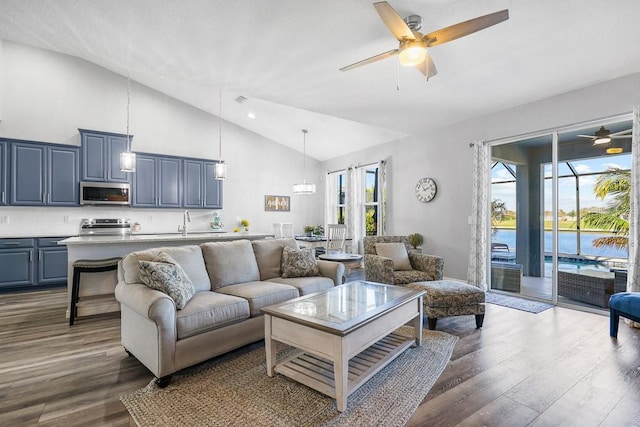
(260, 294)
(230, 262)
(299, 262)
(210, 310)
(397, 252)
(165, 275)
(306, 285)
(269, 256)
(402, 277)
(188, 257)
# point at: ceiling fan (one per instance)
(604, 135)
(412, 50)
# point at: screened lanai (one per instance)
(523, 224)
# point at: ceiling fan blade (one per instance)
(621, 134)
(587, 136)
(393, 21)
(612, 136)
(375, 58)
(462, 29)
(428, 67)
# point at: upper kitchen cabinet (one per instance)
(157, 182)
(3, 173)
(44, 174)
(101, 156)
(201, 190)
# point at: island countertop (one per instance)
(160, 238)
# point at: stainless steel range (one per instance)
(105, 226)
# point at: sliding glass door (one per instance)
(559, 213)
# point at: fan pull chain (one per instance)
(397, 75)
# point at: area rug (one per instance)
(234, 390)
(517, 303)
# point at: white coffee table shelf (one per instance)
(345, 334)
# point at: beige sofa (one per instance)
(233, 281)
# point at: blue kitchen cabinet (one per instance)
(44, 174)
(157, 182)
(101, 156)
(3, 173)
(16, 263)
(52, 261)
(201, 190)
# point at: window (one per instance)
(371, 204)
(337, 197)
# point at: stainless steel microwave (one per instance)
(105, 193)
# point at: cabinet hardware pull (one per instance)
(3, 197)
(30, 256)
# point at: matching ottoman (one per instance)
(625, 304)
(446, 298)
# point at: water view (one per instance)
(567, 243)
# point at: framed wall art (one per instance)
(277, 203)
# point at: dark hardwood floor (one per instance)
(559, 367)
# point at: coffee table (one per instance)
(345, 334)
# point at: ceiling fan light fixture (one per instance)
(602, 140)
(412, 52)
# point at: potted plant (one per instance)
(318, 230)
(308, 229)
(416, 240)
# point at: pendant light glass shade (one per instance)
(305, 187)
(128, 161)
(128, 158)
(220, 169)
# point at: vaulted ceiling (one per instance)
(283, 56)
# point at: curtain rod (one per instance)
(359, 165)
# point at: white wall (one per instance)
(47, 96)
(444, 154)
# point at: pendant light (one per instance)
(128, 158)
(305, 187)
(220, 169)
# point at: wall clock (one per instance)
(426, 190)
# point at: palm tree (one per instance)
(617, 184)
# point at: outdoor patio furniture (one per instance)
(589, 286)
(625, 304)
(506, 277)
(496, 246)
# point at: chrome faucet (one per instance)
(185, 217)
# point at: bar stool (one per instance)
(87, 266)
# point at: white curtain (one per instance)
(355, 204)
(382, 198)
(477, 272)
(633, 272)
(331, 198)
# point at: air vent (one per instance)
(240, 99)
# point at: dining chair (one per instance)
(286, 230)
(336, 236)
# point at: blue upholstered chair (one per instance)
(625, 304)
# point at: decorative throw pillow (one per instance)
(397, 252)
(299, 262)
(165, 275)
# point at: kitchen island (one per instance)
(97, 289)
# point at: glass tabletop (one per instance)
(344, 306)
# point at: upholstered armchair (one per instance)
(382, 269)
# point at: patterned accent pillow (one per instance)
(165, 275)
(397, 252)
(299, 262)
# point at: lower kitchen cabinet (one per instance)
(28, 263)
